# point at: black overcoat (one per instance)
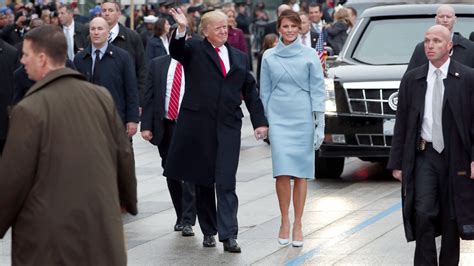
(8, 64)
(206, 143)
(458, 132)
(155, 94)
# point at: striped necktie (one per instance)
(175, 93)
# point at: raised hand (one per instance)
(180, 18)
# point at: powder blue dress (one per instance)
(291, 88)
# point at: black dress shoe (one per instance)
(187, 231)
(231, 245)
(209, 242)
(178, 227)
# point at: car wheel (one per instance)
(328, 167)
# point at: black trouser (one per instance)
(222, 219)
(182, 195)
(432, 208)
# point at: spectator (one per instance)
(337, 31)
(269, 41)
(147, 30)
(159, 43)
(236, 36)
(259, 13)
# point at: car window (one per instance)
(392, 41)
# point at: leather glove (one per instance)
(319, 129)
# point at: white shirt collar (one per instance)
(115, 31)
(444, 69)
(70, 27)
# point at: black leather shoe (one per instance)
(187, 231)
(231, 245)
(209, 242)
(178, 227)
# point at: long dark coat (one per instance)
(155, 96)
(8, 64)
(458, 132)
(116, 75)
(206, 143)
(66, 170)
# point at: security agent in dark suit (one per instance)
(164, 91)
(126, 39)
(9, 62)
(206, 143)
(463, 49)
(77, 34)
(432, 151)
(308, 37)
(107, 65)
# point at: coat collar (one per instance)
(111, 51)
(121, 33)
(52, 76)
(290, 50)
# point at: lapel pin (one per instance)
(456, 74)
(111, 53)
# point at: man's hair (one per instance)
(48, 39)
(116, 3)
(353, 10)
(313, 4)
(291, 16)
(211, 16)
(69, 8)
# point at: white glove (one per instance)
(319, 129)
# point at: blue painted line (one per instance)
(302, 258)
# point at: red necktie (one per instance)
(224, 72)
(175, 91)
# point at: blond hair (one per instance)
(211, 17)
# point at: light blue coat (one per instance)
(291, 88)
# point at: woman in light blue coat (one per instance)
(293, 95)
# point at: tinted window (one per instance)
(392, 41)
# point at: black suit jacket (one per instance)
(314, 38)
(154, 48)
(271, 27)
(206, 142)
(81, 37)
(131, 42)
(458, 132)
(9, 62)
(463, 52)
(117, 75)
(153, 112)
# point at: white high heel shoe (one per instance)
(283, 241)
(297, 244)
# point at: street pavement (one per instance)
(355, 220)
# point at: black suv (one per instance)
(362, 89)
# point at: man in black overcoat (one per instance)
(9, 62)
(432, 151)
(463, 49)
(206, 144)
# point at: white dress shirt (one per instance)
(427, 125)
(307, 39)
(69, 33)
(101, 54)
(114, 32)
(169, 86)
(166, 43)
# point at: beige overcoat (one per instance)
(67, 168)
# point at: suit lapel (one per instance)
(453, 97)
(421, 92)
(209, 49)
(232, 60)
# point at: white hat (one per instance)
(150, 19)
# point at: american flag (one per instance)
(321, 51)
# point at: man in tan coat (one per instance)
(67, 168)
